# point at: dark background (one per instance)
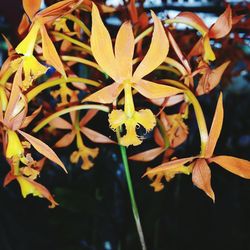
(94, 211)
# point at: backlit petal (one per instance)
(105, 95)
(154, 90)
(101, 45)
(215, 128)
(124, 50)
(157, 52)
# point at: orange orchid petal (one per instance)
(49, 52)
(169, 165)
(215, 128)
(9, 45)
(124, 50)
(57, 10)
(31, 7)
(95, 136)
(178, 52)
(148, 155)
(29, 186)
(101, 45)
(133, 11)
(24, 25)
(211, 79)
(29, 118)
(105, 95)
(43, 149)
(192, 20)
(66, 140)
(154, 90)
(223, 25)
(153, 58)
(8, 178)
(201, 177)
(60, 123)
(234, 165)
(169, 101)
(89, 115)
(197, 50)
(14, 96)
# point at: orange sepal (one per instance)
(201, 177)
(148, 155)
(234, 165)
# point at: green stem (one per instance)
(68, 110)
(131, 194)
(37, 90)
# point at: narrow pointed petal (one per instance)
(95, 136)
(14, 96)
(9, 45)
(153, 90)
(234, 165)
(31, 7)
(201, 177)
(49, 52)
(29, 118)
(101, 45)
(66, 140)
(157, 52)
(148, 155)
(89, 115)
(43, 149)
(169, 165)
(60, 123)
(24, 25)
(215, 128)
(211, 79)
(29, 186)
(223, 25)
(124, 50)
(105, 95)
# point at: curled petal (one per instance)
(157, 52)
(223, 25)
(29, 186)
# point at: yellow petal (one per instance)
(117, 118)
(27, 45)
(32, 70)
(14, 147)
(131, 137)
(208, 52)
(124, 50)
(146, 118)
(101, 45)
(157, 52)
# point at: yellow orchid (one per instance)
(118, 65)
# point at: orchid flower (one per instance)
(76, 130)
(118, 65)
(198, 166)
